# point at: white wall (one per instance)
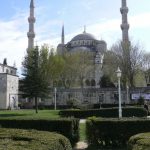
(12, 91)
(3, 89)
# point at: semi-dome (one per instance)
(84, 36)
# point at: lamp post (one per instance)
(55, 90)
(119, 91)
(127, 93)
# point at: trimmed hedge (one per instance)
(104, 112)
(17, 139)
(67, 127)
(114, 132)
(139, 142)
(103, 105)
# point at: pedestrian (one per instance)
(146, 107)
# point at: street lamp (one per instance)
(119, 91)
(127, 93)
(55, 90)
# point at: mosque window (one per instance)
(7, 71)
(11, 72)
(55, 83)
(101, 97)
(87, 82)
(93, 82)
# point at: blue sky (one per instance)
(101, 17)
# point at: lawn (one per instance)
(29, 114)
(82, 132)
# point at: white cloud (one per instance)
(140, 20)
(14, 40)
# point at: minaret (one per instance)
(124, 25)
(31, 20)
(63, 36)
(84, 29)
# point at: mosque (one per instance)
(85, 42)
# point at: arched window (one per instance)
(7, 71)
(60, 83)
(55, 83)
(93, 83)
(11, 72)
(87, 82)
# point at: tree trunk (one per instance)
(36, 104)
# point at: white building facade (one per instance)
(8, 87)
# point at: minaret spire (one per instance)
(84, 29)
(124, 25)
(31, 20)
(63, 36)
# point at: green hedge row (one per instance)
(139, 142)
(17, 139)
(104, 112)
(114, 132)
(67, 127)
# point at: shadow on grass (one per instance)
(12, 115)
(98, 148)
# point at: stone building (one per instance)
(8, 87)
(86, 43)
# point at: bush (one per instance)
(114, 132)
(139, 142)
(73, 102)
(103, 105)
(66, 127)
(104, 112)
(16, 139)
(140, 101)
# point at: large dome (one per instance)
(84, 36)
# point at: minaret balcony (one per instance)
(31, 19)
(124, 26)
(31, 34)
(124, 10)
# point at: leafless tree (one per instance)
(128, 57)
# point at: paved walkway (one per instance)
(82, 120)
(81, 145)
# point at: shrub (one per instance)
(73, 102)
(140, 101)
(103, 105)
(105, 112)
(114, 132)
(66, 127)
(16, 139)
(139, 142)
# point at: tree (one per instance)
(34, 84)
(106, 82)
(129, 58)
(146, 67)
(110, 64)
(76, 67)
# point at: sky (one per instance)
(101, 17)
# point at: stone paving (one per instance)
(81, 145)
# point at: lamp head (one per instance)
(118, 72)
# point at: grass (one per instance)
(29, 114)
(82, 131)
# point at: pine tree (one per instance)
(33, 85)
